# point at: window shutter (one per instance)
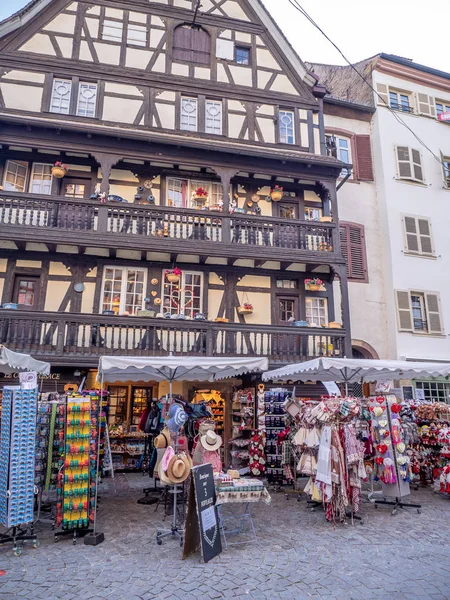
(403, 161)
(434, 318)
(201, 46)
(412, 240)
(404, 311)
(417, 165)
(182, 43)
(426, 105)
(225, 49)
(445, 176)
(354, 250)
(426, 243)
(382, 91)
(364, 158)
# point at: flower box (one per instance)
(146, 313)
(58, 172)
(221, 320)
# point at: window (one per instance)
(137, 35)
(434, 391)
(442, 107)
(186, 296)
(179, 192)
(312, 214)
(213, 117)
(446, 170)
(15, 176)
(112, 30)
(419, 312)
(123, 290)
(287, 284)
(409, 164)
(26, 291)
(288, 211)
(188, 114)
(400, 101)
(242, 55)
(353, 247)
(41, 179)
(191, 44)
(339, 147)
(316, 311)
(87, 99)
(118, 404)
(60, 101)
(287, 309)
(85, 94)
(417, 235)
(286, 126)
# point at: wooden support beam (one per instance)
(284, 265)
(51, 248)
(81, 249)
(202, 259)
(21, 246)
(259, 263)
(112, 253)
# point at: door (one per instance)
(76, 188)
(26, 292)
(139, 398)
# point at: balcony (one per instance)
(59, 220)
(79, 339)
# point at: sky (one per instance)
(361, 28)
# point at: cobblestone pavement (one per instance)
(298, 555)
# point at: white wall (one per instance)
(431, 200)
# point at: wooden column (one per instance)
(341, 272)
(226, 174)
(106, 162)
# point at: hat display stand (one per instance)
(174, 531)
(399, 488)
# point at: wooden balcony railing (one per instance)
(81, 338)
(60, 219)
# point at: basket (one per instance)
(326, 219)
(58, 172)
(314, 287)
(334, 325)
(221, 320)
(172, 278)
(276, 196)
(244, 311)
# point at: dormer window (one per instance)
(191, 44)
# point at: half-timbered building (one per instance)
(175, 122)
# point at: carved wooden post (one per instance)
(341, 272)
(106, 162)
(327, 191)
(226, 174)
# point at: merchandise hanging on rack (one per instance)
(243, 424)
(275, 425)
(17, 465)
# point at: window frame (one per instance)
(445, 105)
(166, 285)
(428, 310)
(189, 99)
(279, 123)
(123, 291)
(243, 47)
(120, 26)
(74, 99)
(26, 166)
(423, 312)
(211, 101)
(323, 319)
(420, 252)
(79, 91)
(215, 190)
(136, 43)
(54, 82)
(32, 173)
(412, 178)
(399, 106)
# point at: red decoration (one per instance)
(396, 408)
(257, 463)
(382, 448)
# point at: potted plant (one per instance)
(314, 284)
(173, 275)
(245, 309)
(59, 169)
(276, 193)
(200, 198)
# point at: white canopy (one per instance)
(11, 362)
(169, 368)
(353, 370)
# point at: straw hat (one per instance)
(163, 439)
(211, 441)
(179, 468)
(162, 476)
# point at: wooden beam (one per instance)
(202, 259)
(81, 249)
(259, 263)
(51, 248)
(21, 246)
(285, 264)
(112, 253)
(173, 257)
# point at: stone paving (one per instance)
(298, 555)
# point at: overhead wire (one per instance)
(297, 6)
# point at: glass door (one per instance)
(118, 405)
(140, 395)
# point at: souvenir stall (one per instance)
(171, 368)
(18, 448)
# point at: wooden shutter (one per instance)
(411, 235)
(182, 43)
(201, 46)
(426, 105)
(404, 311)
(354, 250)
(417, 164)
(426, 242)
(382, 91)
(403, 162)
(433, 308)
(363, 158)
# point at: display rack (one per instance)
(275, 423)
(243, 423)
(127, 450)
(17, 464)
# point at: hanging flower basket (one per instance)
(59, 170)
(276, 193)
(313, 285)
(221, 320)
(245, 309)
(173, 275)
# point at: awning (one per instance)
(181, 368)
(12, 362)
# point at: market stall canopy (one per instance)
(353, 370)
(170, 368)
(13, 362)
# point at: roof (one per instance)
(22, 16)
(409, 63)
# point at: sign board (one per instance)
(445, 116)
(384, 387)
(28, 380)
(202, 531)
(332, 388)
(420, 394)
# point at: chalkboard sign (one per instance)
(202, 531)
